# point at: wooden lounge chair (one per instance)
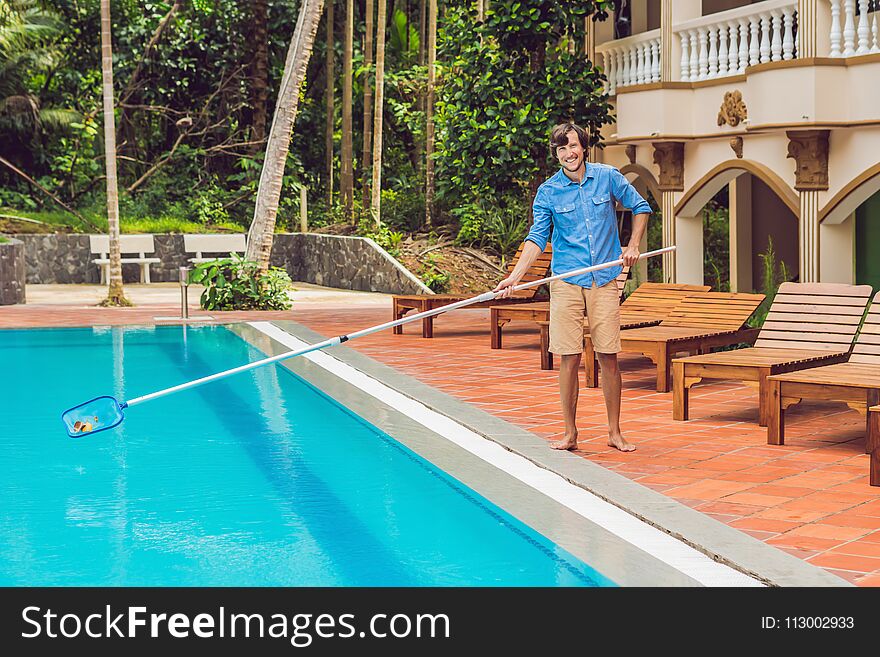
(648, 305)
(697, 324)
(873, 443)
(537, 311)
(809, 324)
(855, 382)
(403, 303)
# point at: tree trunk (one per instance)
(368, 106)
(537, 58)
(378, 112)
(115, 293)
(429, 110)
(260, 70)
(262, 228)
(346, 174)
(331, 79)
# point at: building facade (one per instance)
(778, 100)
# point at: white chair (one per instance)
(140, 245)
(223, 244)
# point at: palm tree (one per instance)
(330, 87)
(368, 105)
(429, 108)
(262, 228)
(27, 33)
(378, 111)
(346, 172)
(115, 294)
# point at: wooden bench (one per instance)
(855, 383)
(809, 324)
(873, 443)
(401, 304)
(697, 324)
(644, 307)
(221, 244)
(538, 311)
(140, 245)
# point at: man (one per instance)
(579, 202)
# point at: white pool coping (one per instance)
(615, 520)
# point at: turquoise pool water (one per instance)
(256, 480)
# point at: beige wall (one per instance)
(714, 6)
(837, 252)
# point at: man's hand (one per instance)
(506, 286)
(630, 255)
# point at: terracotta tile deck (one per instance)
(810, 497)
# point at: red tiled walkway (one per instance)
(810, 497)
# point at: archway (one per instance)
(850, 224)
(726, 221)
(646, 184)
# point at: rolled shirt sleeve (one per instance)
(542, 219)
(626, 194)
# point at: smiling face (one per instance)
(571, 156)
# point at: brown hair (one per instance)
(559, 136)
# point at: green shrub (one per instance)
(3, 240)
(403, 210)
(434, 278)
(382, 235)
(236, 284)
(497, 224)
(773, 275)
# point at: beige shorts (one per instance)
(570, 304)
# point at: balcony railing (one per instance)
(725, 43)
(848, 39)
(633, 60)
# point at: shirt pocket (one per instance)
(565, 214)
(603, 208)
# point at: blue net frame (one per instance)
(98, 414)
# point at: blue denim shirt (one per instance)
(584, 221)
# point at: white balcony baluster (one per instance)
(835, 28)
(754, 41)
(864, 32)
(611, 71)
(876, 46)
(849, 28)
(703, 67)
(684, 72)
(655, 61)
(695, 62)
(640, 66)
(713, 54)
(776, 40)
(723, 57)
(788, 35)
(733, 55)
(743, 46)
(765, 38)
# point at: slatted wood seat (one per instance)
(403, 303)
(697, 324)
(855, 382)
(537, 311)
(646, 308)
(809, 324)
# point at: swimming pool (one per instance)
(260, 479)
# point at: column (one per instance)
(670, 50)
(808, 228)
(740, 195)
(813, 32)
(809, 149)
(667, 214)
(669, 156)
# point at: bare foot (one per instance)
(566, 443)
(619, 442)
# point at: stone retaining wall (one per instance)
(12, 272)
(354, 263)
